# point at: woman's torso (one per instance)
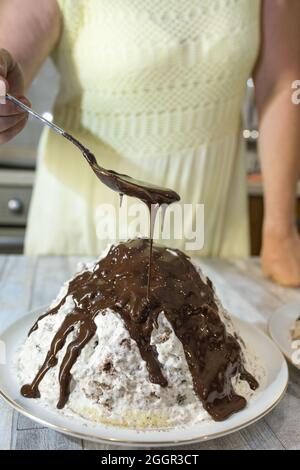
(156, 89)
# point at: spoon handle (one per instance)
(34, 114)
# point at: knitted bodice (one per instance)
(155, 76)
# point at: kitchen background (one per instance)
(18, 162)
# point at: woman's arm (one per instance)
(28, 31)
(279, 143)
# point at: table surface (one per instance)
(28, 282)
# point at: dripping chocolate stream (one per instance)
(153, 196)
(119, 282)
(152, 214)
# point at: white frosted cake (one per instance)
(110, 351)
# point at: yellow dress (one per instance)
(154, 89)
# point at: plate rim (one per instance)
(126, 442)
(283, 350)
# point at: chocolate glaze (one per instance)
(124, 184)
(153, 196)
(119, 282)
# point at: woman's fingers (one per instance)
(7, 63)
(12, 74)
(3, 90)
(10, 133)
(12, 118)
(8, 122)
(10, 109)
(6, 66)
(4, 86)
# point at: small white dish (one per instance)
(281, 324)
(264, 401)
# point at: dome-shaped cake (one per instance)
(110, 351)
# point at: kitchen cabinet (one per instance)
(15, 193)
(256, 214)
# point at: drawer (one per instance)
(14, 204)
(11, 240)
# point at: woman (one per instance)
(155, 89)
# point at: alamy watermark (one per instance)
(176, 222)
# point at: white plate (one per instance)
(265, 400)
(280, 326)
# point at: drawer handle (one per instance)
(15, 206)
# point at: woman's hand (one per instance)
(281, 257)
(12, 118)
(29, 32)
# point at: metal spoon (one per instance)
(123, 184)
(152, 196)
(34, 114)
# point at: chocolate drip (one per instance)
(153, 196)
(119, 282)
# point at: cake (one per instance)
(111, 351)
